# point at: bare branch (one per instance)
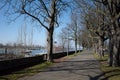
(45, 8)
(25, 12)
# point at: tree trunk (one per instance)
(96, 48)
(110, 53)
(101, 46)
(62, 46)
(75, 45)
(63, 49)
(112, 6)
(50, 31)
(119, 52)
(114, 46)
(50, 46)
(116, 41)
(116, 50)
(79, 48)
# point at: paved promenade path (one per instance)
(81, 67)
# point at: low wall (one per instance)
(9, 66)
(62, 54)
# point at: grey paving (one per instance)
(81, 67)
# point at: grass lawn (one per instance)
(111, 73)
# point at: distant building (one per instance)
(57, 49)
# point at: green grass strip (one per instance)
(111, 73)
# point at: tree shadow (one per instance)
(75, 67)
(80, 68)
(105, 77)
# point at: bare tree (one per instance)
(73, 28)
(113, 7)
(45, 12)
(107, 21)
(22, 34)
(65, 37)
(100, 23)
(62, 38)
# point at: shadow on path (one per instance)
(81, 67)
(75, 67)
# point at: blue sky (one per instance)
(9, 32)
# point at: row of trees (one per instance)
(25, 34)
(102, 19)
(101, 22)
(76, 32)
(71, 30)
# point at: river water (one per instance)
(31, 52)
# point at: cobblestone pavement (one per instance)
(81, 67)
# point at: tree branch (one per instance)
(102, 1)
(25, 12)
(44, 6)
(98, 33)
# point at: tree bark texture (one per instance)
(110, 52)
(50, 32)
(76, 45)
(114, 53)
(50, 46)
(101, 47)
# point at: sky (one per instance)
(9, 32)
